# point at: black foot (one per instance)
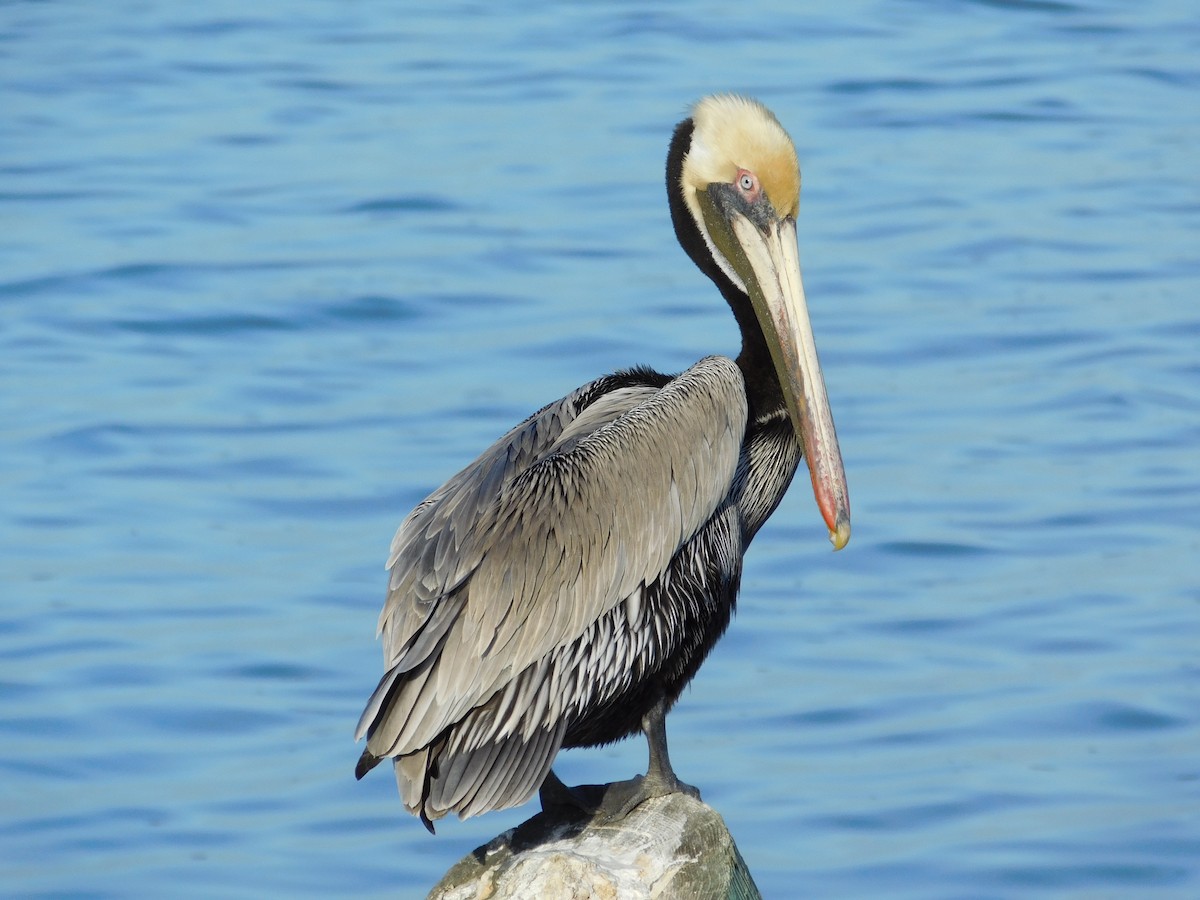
(556, 797)
(607, 803)
(623, 797)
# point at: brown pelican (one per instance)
(562, 589)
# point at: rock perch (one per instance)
(668, 847)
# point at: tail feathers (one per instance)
(366, 763)
(471, 781)
(492, 758)
(406, 768)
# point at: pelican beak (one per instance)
(761, 248)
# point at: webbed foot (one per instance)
(623, 797)
(612, 802)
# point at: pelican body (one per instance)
(562, 589)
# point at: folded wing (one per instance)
(566, 516)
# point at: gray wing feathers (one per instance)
(587, 527)
(497, 757)
(441, 542)
(565, 517)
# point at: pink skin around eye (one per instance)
(747, 183)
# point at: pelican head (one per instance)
(734, 177)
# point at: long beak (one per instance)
(770, 267)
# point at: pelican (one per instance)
(562, 589)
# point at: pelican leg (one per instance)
(660, 777)
(622, 797)
(612, 802)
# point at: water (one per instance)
(269, 273)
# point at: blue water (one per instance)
(271, 272)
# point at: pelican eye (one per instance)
(747, 183)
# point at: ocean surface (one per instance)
(270, 273)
